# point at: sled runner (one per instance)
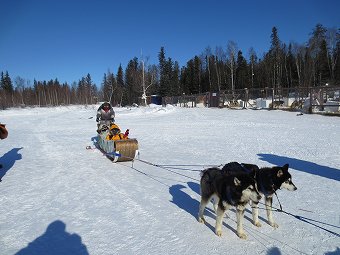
(117, 146)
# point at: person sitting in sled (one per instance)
(105, 115)
(115, 133)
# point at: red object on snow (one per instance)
(126, 133)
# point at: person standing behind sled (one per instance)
(105, 115)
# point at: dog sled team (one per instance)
(239, 184)
(235, 185)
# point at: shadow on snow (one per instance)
(337, 251)
(303, 166)
(191, 205)
(274, 251)
(55, 241)
(183, 200)
(8, 159)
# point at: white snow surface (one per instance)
(56, 197)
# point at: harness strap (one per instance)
(229, 197)
(277, 198)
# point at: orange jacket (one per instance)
(115, 133)
(116, 137)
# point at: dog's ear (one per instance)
(237, 181)
(279, 173)
(285, 167)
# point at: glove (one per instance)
(112, 120)
(97, 119)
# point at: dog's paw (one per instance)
(242, 235)
(257, 224)
(273, 224)
(219, 233)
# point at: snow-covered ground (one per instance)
(56, 197)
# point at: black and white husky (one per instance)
(226, 191)
(268, 180)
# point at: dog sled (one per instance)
(115, 145)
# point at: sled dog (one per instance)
(268, 180)
(226, 191)
(3, 131)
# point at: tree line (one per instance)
(314, 63)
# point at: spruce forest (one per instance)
(285, 65)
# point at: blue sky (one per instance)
(66, 39)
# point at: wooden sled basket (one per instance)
(126, 150)
(119, 150)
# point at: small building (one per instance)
(156, 99)
(332, 106)
(263, 103)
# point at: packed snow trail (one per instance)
(59, 198)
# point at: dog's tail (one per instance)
(210, 173)
(206, 171)
(202, 172)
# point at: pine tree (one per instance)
(1, 80)
(121, 86)
(337, 63)
(317, 36)
(112, 82)
(105, 89)
(214, 80)
(165, 70)
(323, 68)
(176, 80)
(275, 54)
(197, 75)
(333, 40)
(207, 80)
(317, 53)
(6, 83)
(120, 76)
(291, 71)
(81, 91)
(189, 77)
(132, 82)
(89, 93)
(242, 78)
